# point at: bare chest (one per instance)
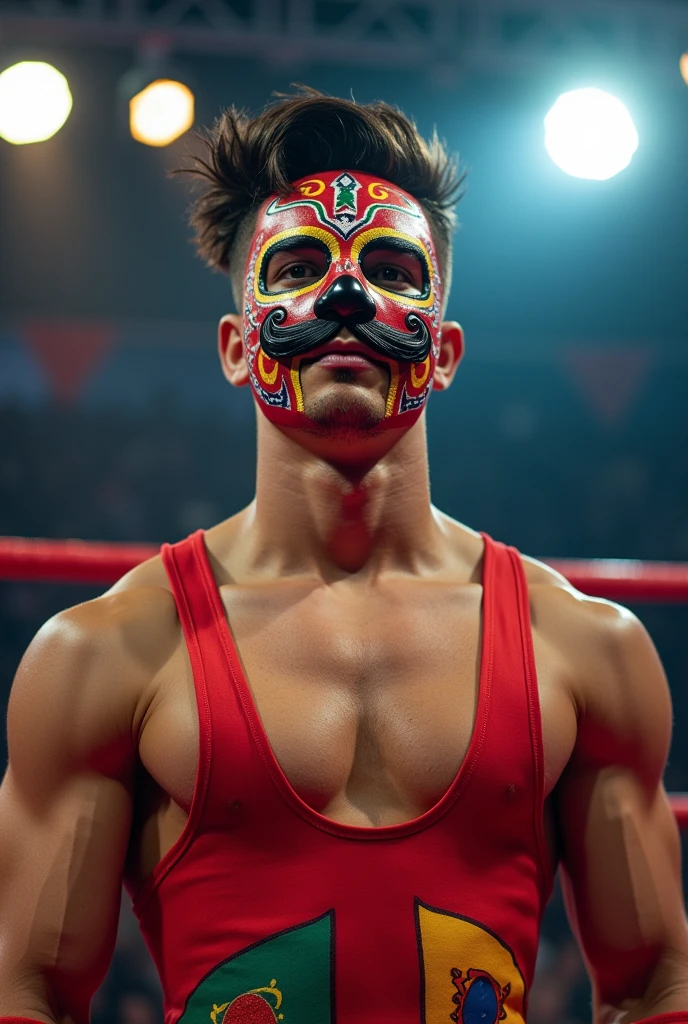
(368, 702)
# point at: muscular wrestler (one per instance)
(336, 746)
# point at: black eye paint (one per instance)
(287, 245)
(390, 243)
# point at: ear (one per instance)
(451, 354)
(230, 347)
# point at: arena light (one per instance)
(590, 134)
(161, 112)
(35, 102)
(684, 67)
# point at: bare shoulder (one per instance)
(582, 625)
(89, 671)
(583, 630)
(131, 624)
(611, 665)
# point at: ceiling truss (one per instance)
(437, 34)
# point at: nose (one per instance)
(345, 300)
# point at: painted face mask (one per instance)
(346, 215)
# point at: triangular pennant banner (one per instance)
(609, 379)
(68, 352)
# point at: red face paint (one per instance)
(347, 216)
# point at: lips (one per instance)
(352, 355)
(352, 347)
(345, 360)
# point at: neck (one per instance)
(313, 514)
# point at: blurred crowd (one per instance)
(517, 468)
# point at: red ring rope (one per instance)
(77, 561)
(80, 561)
(679, 805)
(69, 561)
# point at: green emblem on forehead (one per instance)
(345, 219)
(345, 189)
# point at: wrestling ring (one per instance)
(100, 564)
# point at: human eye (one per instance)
(287, 269)
(396, 268)
(395, 277)
(391, 275)
(298, 272)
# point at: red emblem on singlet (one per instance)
(250, 1009)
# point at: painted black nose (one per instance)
(345, 300)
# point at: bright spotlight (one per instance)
(35, 102)
(684, 67)
(161, 112)
(590, 134)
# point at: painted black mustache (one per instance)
(285, 342)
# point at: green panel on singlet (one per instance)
(287, 977)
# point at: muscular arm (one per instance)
(621, 849)
(66, 807)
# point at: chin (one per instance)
(350, 419)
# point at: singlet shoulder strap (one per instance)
(187, 570)
(508, 604)
(187, 582)
(217, 670)
(516, 702)
(529, 671)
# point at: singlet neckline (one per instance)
(262, 741)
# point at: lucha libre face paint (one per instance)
(347, 216)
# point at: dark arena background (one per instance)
(565, 432)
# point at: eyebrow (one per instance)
(292, 244)
(400, 245)
(296, 242)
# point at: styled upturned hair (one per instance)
(246, 159)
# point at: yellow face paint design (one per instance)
(311, 188)
(418, 379)
(379, 235)
(267, 377)
(305, 232)
(376, 190)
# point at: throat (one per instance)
(359, 533)
(350, 544)
(317, 513)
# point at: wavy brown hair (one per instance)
(246, 159)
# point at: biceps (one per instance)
(621, 857)
(60, 881)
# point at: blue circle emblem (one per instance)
(480, 1003)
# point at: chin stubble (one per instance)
(344, 415)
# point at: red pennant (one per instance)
(610, 379)
(68, 353)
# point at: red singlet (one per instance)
(265, 910)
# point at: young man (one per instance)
(336, 746)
